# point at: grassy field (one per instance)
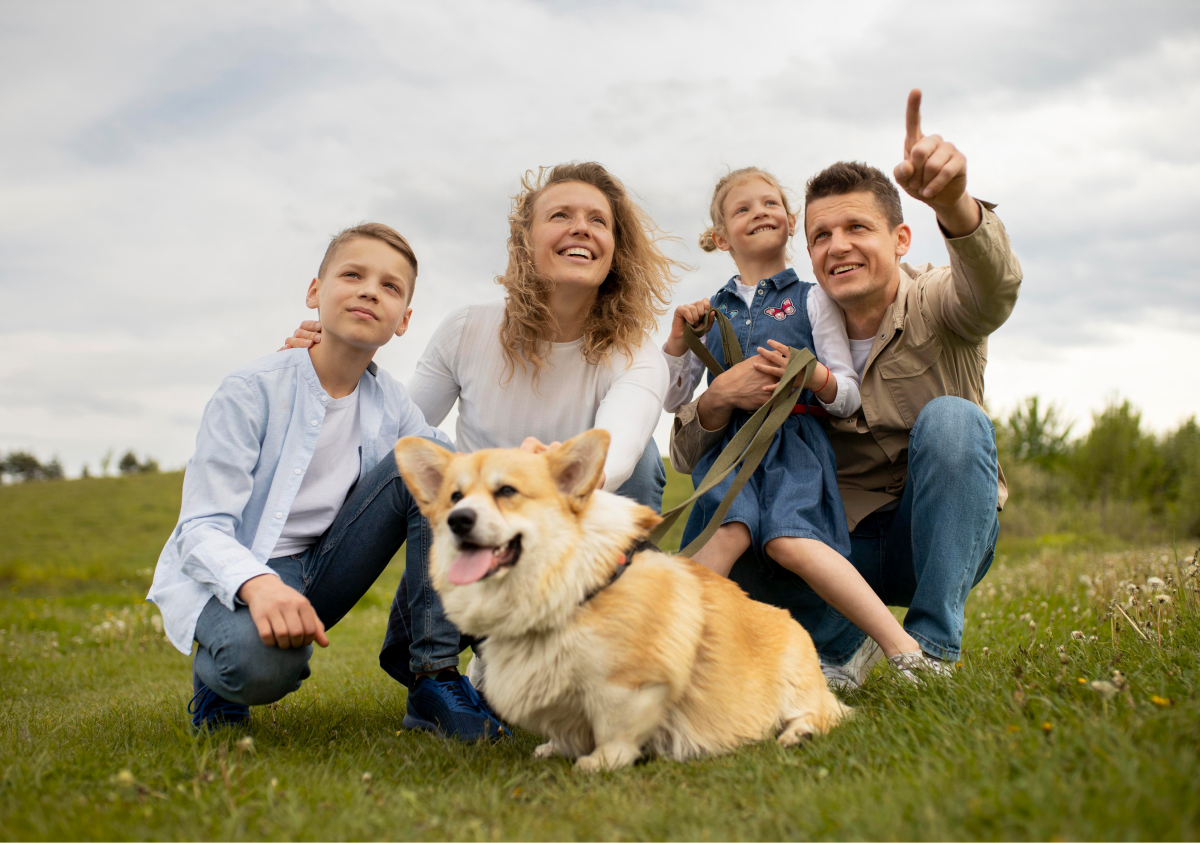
(95, 742)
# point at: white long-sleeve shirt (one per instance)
(498, 409)
(831, 346)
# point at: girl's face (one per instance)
(756, 223)
(572, 235)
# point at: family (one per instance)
(881, 488)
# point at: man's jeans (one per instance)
(926, 553)
(378, 515)
(420, 639)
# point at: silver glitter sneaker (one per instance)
(849, 676)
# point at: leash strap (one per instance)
(749, 445)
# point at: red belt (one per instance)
(810, 409)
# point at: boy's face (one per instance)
(363, 297)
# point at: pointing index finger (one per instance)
(912, 120)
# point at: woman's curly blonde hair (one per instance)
(636, 292)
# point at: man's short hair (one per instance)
(856, 177)
(376, 231)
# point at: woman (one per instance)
(567, 350)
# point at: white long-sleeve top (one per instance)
(498, 409)
(832, 347)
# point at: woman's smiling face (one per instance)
(756, 222)
(572, 235)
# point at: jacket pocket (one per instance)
(913, 378)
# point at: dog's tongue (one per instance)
(471, 565)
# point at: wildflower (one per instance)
(1162, 598)
(1032, 626)
(245, 743)
(1106, 690)
(1077, 635)
(1092, 638)
(1047, 727)
(366, 778)
(123, 778)
(986, 651)
(1133, 588)
(1161, 702)
(1118, 680)
(1081, 680)
(1013, 728)
(1155, 584)
(274, 783)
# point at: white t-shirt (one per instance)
(860, 350)
(830, 344)
(331, 474)
(499, 407)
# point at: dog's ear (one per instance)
(576, 465)
(422, 464)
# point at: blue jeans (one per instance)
(926, 553)
(377, 517)
(420, 639)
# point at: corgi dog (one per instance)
(666, 658)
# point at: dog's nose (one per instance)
(461, 521)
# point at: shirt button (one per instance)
(278, 514)
(313, 422)
(297, 471)
(747, 321)
(760, 291)
(324, 399)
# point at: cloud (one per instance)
(172, 173)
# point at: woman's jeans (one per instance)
(419, 637)
(379, 514)
(926, 553)
(377, 518)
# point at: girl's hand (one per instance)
(693, 314)
(306, 336)
(774, 360)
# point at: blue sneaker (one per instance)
(209, 710)
(448, 703)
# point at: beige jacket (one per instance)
(932, 342)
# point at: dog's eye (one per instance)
(505, 492)
(455, 497)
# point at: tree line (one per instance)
(23, 467)
(1115, 462)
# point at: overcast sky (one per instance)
(170, 173)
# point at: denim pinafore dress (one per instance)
(793, 492)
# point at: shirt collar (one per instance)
(779, 280)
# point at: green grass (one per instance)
(94, 740)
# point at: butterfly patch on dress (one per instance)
(782, 312)
(727, 311)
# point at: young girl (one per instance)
(789, 510)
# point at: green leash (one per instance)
(750, 443)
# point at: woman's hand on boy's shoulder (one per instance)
(283, 616)
(306, 336)
(693, 314)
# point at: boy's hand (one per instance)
(693, 314)
(284, 617)
(306, 336)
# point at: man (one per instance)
(917, 466)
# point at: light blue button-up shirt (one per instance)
(255, 442)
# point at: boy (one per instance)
(284, 502)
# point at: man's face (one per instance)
(855, 256)
(363, 296)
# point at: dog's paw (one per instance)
(796, 732)
(547, 750)
(608, 757)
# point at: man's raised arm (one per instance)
(979, 291)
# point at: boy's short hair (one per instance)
(376, 231)
(855, 177)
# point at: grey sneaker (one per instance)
(849, 676)
(916, 666)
